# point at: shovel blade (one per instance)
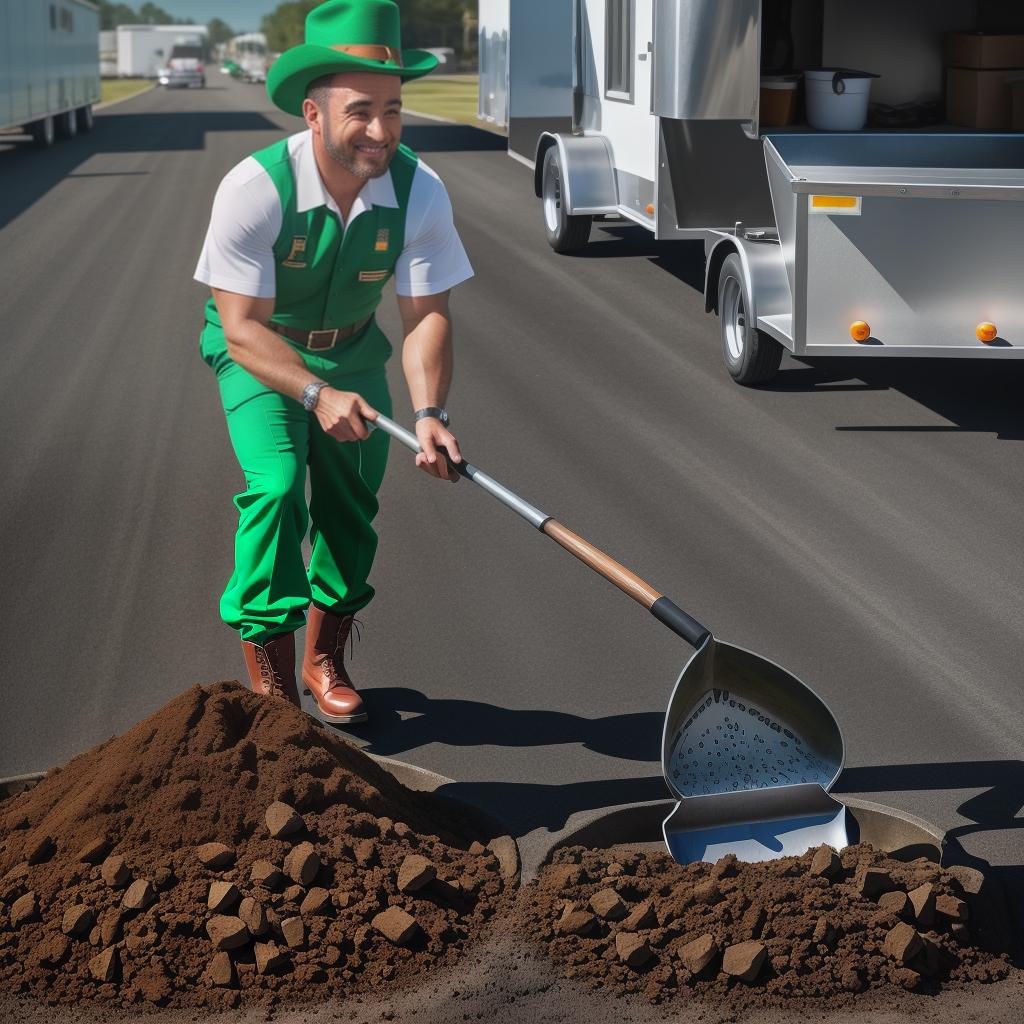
(737, 721)
(756, 825)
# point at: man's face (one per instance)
(361, 122)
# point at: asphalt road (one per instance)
(858, 523)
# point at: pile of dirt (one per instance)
(820, 926)
(230, 847)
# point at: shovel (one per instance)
(748, 750)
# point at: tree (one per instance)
(151, 14)
(112, 15)
(220, 31)
(424, 22)
(285, 26)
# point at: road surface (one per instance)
(858, 523)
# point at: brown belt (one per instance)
(322, 340)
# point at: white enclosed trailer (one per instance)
(143, 50)
(49, 67)
(525, 76)
(867, 243)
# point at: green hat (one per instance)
(344, 35)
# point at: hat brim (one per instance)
(290, 75)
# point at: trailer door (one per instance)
(625, 82)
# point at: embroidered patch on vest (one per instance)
(296, 258)
(381, 245)
(373, 275)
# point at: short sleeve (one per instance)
(433, 258)
(238, 254)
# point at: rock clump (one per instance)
(827, 925)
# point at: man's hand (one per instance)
(341, 414)
(432, 434)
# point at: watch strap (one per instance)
(311, 394)
(433, 412)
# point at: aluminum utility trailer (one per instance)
(887, 245)
(861, 244)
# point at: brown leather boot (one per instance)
(272, 667)
(323, 667)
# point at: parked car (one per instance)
(184, 68)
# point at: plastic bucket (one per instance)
(778, 100)
(837, 98)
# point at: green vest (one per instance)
(326, 278)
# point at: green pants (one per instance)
(274, 440)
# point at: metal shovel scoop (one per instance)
(748, 749)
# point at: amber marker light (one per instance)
(650, 207)
(986, 332)
(860, 331)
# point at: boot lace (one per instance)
(349, 629)
(270, 675)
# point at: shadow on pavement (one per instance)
(441, 138)
(976, 396)
(523, 807)
(468, 723)
(683, 260)
(993, 810)
(27, 173)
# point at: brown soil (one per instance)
(107, 886)
(756, 935)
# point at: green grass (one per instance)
(450, 96)
(121, 88)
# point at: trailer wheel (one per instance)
(67, 124)
(86, 119)
(42, 132)
(564, 233)
(751, 356)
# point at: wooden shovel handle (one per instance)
(628, 582)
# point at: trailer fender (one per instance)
(764, 272)
(588, 172)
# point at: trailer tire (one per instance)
(751, 356)
(67, 124)
(565, 233)
(42, 132)
(86, 119)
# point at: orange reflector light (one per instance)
(834, 202)
(836, 206)
(986, 332)
(650, 207)
(860, 331)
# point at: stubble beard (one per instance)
(349, 158)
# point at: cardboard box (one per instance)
(975, 50)
(979, 99)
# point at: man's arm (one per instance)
(273, 362)
(427, 363)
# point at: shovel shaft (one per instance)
(628, 582)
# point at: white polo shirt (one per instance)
(238, 255)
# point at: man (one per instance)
(302, 238)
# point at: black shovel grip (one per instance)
(679, 622)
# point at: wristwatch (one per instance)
(311, 395)
(434, 412)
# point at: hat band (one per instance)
(373, 51)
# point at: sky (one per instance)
(241, 15)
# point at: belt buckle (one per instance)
(313, 342)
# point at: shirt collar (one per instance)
(310, 191)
